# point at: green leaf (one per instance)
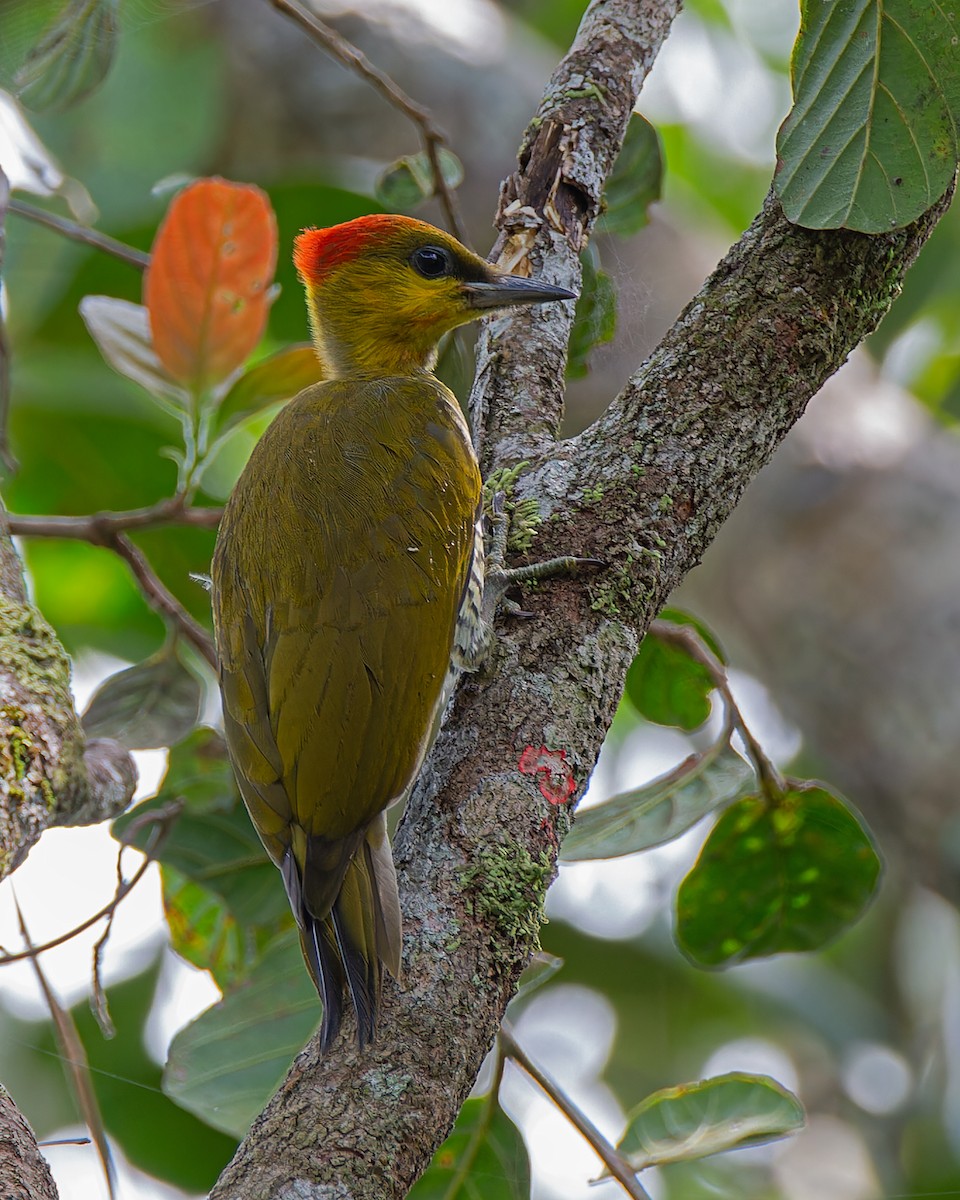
(155, 703)
(122, 333)
(635, 181)
(871, 141)
(540, 970)
(206, 933)
(679, 616)
(139, 1119)
(775, 876)
(409, 181)
(697, 1119)
(198, 772)
(661, 810)
(714, 12)
(595, 317)
(667, 685)
(225, 1065)
(484, 1154)
(271, 381)
(212, 842)
(72, 56)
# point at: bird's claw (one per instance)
(513, 609)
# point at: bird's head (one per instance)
(382, 290)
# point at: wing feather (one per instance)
(342, 563)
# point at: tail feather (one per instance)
(354, 920)
(355, 933)
(323, 961)
(389, 923)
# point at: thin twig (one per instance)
(81, 233)
(689, 640)
(100, 528)
(470, 1151)
(161, 599)
(618, 1167)
(98, 1001)
(349, 56)
(163, 819)
(433, 142)
(108, 529)
(75, 1058)
(107, 909)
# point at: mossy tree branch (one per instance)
(645, 489)
(49, 775)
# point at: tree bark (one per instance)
(645, 490)
(48, 774)
(24, 1174)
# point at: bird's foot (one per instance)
(499, 578)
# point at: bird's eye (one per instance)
(431, 262)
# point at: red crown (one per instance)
(316, 252)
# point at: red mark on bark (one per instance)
(556, 780)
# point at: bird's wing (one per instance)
(354, 549)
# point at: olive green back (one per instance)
(338, 574)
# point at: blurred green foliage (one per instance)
(155, 1134)
(496, 1157)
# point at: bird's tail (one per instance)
(349, 919)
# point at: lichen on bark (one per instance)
(505, 888)
(49, 775)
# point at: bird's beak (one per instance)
(505, 291)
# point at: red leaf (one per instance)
(207, 285)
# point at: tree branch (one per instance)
(99, 528)
(23, 1170)
(618, 1167)
(159, 596)
(547, 209)
(81, 233)
(472, 895)
(673, 454)
(477, 846)
(345, 53)
(108, 529)
(48, 775)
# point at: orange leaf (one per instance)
(207, 285)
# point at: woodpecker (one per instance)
(347, 583)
